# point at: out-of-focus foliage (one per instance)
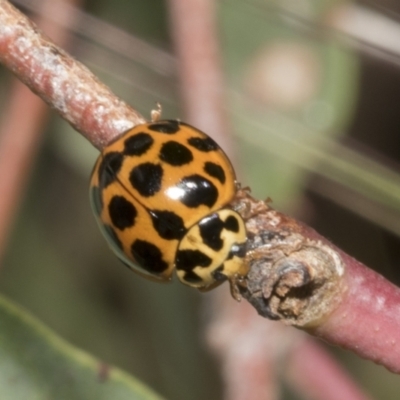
(37, 364)
(292, 93)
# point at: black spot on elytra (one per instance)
(122, 212)
(203, 144)
(198, 191)
(138, 144)
(169, 127)
(191, 277)
(96, 200)
(148, 256)
(215, 171)
(210, 230)
(112, 237)
(109, 167)
(187, 260)
(146, 178)
(175, 154)
(168, 224)
(232, 224)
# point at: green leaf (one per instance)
(36, 364)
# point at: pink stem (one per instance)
(249, 349)
(20, 133)
(367, 320)
(314, 373)
(19, 141)
(299, 277)
(194, 32)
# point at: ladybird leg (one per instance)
(235, 282)
(239, 186)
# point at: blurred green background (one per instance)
(315, 127)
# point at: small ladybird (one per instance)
(160, 194)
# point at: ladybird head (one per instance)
(213, 250)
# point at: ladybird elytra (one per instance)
(160, 194)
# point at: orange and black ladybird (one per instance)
(160, 194)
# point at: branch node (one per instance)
(292, 276)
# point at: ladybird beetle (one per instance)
(160, 194)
